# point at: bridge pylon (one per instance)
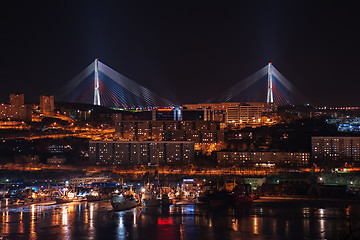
(96, 85)
(270, 96)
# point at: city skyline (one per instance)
(183, 51)
(179, 120)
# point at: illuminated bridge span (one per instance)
(274, 88)
(98, 84)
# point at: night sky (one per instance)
(184, 51)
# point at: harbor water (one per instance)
(257, 220)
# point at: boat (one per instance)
(149, 199)
(231, 194)
(60, 200)
(219, 198)
(165, 200)
(95, 195)
(121, 202)
(242, 194)
(66, 197)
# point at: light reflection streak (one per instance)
(182, 231)
(255, 225)
(89, 219)
(86, 217)
(287, 228)
(322, 214)
(32, 222)
(79, 212)
(56, 218)
(64, 222)
(5, 222)
(64, 216)
(21, 223)
(274, 226)
(306, 226)
(121, 233)
(91, 222)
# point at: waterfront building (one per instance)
(140, 152)
(335, 148)
(236, 113)
(88, 180)
(265, 159)
(255, 182)
(47, 105)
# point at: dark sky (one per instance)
(183, 50)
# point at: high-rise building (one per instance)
(334, 148)
(140, 152)
(17, 99)
(16, 110)
(47, 105)
(250, 114)
(197, 131)
(263, 158)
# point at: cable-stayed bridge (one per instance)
(274, 88)
(98, 84)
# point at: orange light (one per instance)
(164, 110)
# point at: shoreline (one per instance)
(304, 200)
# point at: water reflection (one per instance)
(121, 231)
(21, 223)
(32, 222)
(255, 225)
(99, 221)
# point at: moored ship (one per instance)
(149, 199)
(121, 202)
(66, 197)
(95, 195)
(242, 194)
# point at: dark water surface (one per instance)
(97, 220)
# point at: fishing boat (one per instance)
(149, 199)
(123, 201)
(67, 197)
(95, 195)
(242, 194)
(231, 194)
(165, 200)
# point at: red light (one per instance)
(165, 221)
